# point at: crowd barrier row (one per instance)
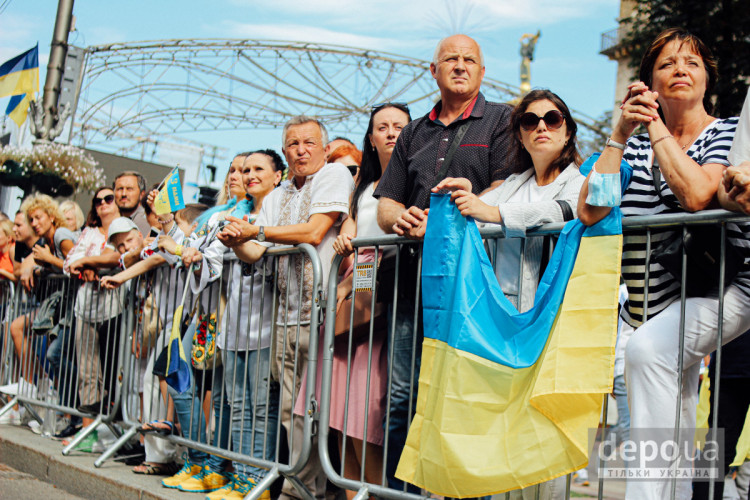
(94, 352)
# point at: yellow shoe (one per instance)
(203, 482)
(242, 486)
(188, 470)
(221, 492)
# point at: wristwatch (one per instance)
(614, 144)
(261, 234)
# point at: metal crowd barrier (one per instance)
(246, 301)
(346, 344)
(118, 349)
(49, 349)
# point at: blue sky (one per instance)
(567, 56)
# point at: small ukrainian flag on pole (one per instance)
(170, 197)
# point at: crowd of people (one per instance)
(517, 167)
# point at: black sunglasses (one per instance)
(107, 199)
(553, 119)
(402, 105)
(353, 169)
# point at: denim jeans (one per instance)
(254, 402)
(622, 427)
(61, 357)
(405, 351)
(188, 408)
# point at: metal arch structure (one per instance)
(134, 93)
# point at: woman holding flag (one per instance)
(674, 167)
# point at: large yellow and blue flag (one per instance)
(20, 75)
(506, 399)
(170, 197)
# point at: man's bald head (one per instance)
(459, 37)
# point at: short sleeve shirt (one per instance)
(482, 157)
(326, 191)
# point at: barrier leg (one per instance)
(10, 405)
(263, 484)
(82, 435)
(122, 441)
(363, 493)
(300, 487)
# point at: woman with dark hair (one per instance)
(386, 123)
(244, 339)
(97, 311)
(677, 165)
(543, 189)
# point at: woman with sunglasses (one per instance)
(97, 311)
(386, 123)
(543, 189)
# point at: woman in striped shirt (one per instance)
(689, 147)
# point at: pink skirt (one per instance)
(365, 398)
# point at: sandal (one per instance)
(157, 426)
(156, 469)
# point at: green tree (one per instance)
(723, 25)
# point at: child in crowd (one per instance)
(158, 414)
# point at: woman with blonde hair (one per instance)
(55, 241)
(73, 215)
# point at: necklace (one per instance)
(700, 129)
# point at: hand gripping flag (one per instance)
(506, 399)
(170, 197)
(20, 75)
(172, 363)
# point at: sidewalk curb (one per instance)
(42, 458)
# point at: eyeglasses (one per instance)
(107, 200)
(553, 119)
(353, 169)
(401, 105)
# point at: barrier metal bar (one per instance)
(379, 488)
(39, 354)
(232, 406)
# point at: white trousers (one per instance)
(651, 371)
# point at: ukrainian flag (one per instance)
(172, 363)
(170, 197)
(506, 399)
(20, 75)
(18, 108)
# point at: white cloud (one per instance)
(310, 34)
(446, 16)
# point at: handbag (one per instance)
(361, 300)
(48, 314)
(702, 247)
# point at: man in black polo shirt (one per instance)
(417, 165)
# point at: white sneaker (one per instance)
(13, 417)
(35, 427)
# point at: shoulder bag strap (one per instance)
(566, 210)
(460, 133)
(656, 176)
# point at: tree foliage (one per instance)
(723, 25)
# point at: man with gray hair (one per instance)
(307, 208)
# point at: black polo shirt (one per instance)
(482, 157)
